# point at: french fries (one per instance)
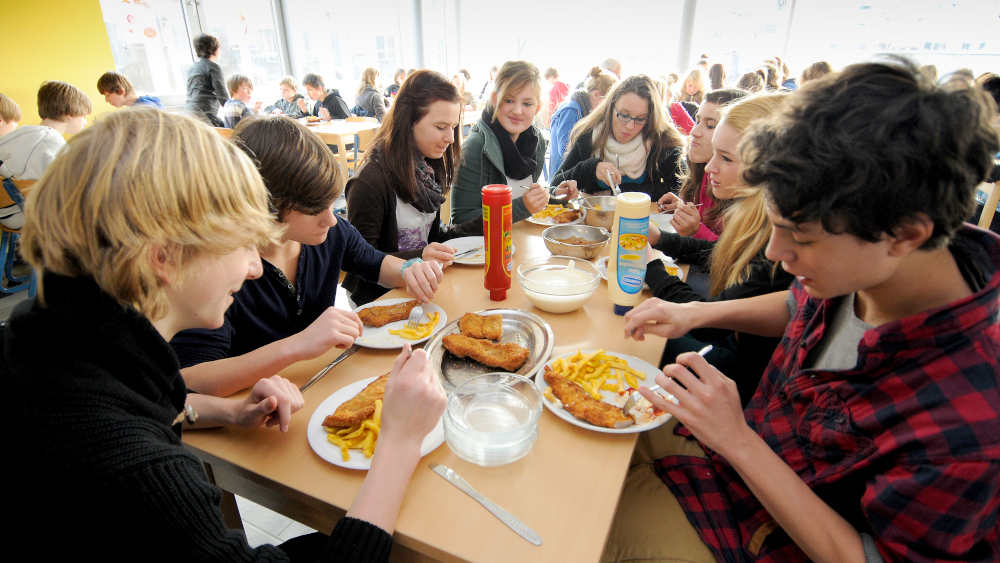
(551, 210)
(421, 331)
(362, 436)
(598, 371)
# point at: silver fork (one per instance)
(416, 315)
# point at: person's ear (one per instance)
(162, 263)
(911, 234)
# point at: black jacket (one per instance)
(581, 165)
(334, 104)
(98, 390)
(206, 91)
(741, 356)
(371, 208)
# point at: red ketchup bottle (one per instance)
(496, 233)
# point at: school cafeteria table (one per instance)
(333, 131)
(566, 488)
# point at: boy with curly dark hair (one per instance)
(875, 430)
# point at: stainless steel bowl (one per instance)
(600, 211)
(598, 236)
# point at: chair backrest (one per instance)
(990, 209)
(23, 186)
(226, 132)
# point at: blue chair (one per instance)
(12, 283)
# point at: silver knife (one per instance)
(319, 375)
(468, 252)
(506, 517)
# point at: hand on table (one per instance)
(654, 234)
(414, 398)
(708, 404)
(442, 253)
(333, 327)
(605, 168)
(663, 318)
(686, 219)
(422, 279)
(256, 107)
(271, 402)
(324, 114)
(567, 187)
(536, 198)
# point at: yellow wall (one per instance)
(55, 40)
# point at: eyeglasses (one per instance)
(625, 118)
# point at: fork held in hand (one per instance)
(416, 315)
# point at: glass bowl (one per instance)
(558, 284)
(492, 419)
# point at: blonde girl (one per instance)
(505, 147)
(370, 102)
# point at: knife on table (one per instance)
(506, 517)
(319, 375)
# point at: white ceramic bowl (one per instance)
(558, 284)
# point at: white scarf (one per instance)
(629, 158)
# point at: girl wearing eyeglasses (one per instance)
(505, 147)
(628, 140)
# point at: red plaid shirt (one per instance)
(906, 446)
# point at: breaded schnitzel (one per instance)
(566, 216)
(359, 407)
(382, 315)
(481, 326)
(503, 355)
(580, 404)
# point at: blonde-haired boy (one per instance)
(27, 151)
(10, 114)
(119, 92)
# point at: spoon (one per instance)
(614, 187)
(634, 396)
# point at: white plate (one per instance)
(662, 220)
(463, 244)
(549, 221)
(324, 449)
(380, 339)
(602, 267)
(635, 363)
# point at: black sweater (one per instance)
(581, 165)
(748, 354)
(371, 208)
(100, 469)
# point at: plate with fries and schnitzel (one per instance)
(507, 340)
(344, 428)
(557, 214)
(385, 323)
(589, 387)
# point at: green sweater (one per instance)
(482, 164)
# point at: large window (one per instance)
(149, 41)
(249, 41)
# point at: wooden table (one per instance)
(566, 488)
(333, 131)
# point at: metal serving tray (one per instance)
(527, 329)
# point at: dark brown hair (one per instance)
(235, 81)
(59, 100)
(205, 46)
(690, 189)
(867, 149)
(717, 76)
(394, 146)
(300, 172)
(114, 83)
